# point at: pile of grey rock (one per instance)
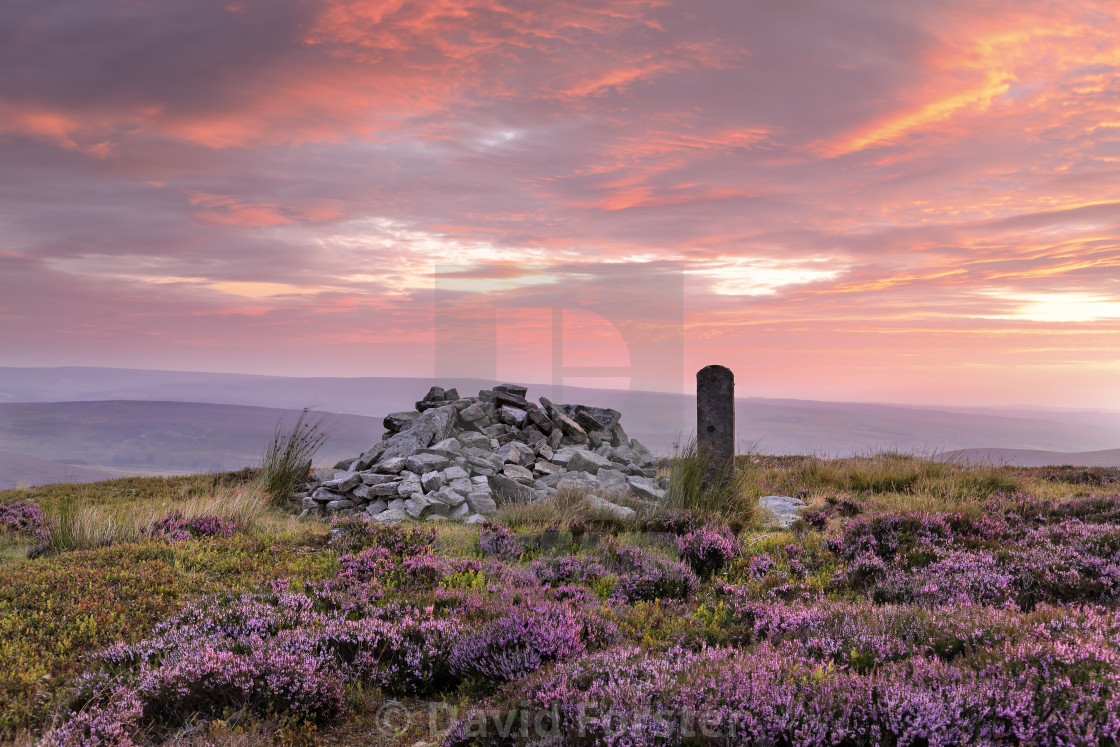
(458, 457)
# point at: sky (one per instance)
(861, 200)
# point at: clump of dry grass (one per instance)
(890, 479)
(730, 496)
(80, 525)
(567, 507)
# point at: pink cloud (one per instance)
(867, 200)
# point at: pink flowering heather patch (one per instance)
(22, 517)
(649, 575)
(177, 528)
(498, 542)
(707, 550)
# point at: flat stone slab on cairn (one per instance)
(460, 458)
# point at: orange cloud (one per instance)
(231, 211)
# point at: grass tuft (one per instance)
(728, 496)
(288, 459)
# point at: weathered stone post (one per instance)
(715, 419)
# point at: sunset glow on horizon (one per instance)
(889, 202)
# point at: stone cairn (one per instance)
(459, 457)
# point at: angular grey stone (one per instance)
(496, 430)
(562, 458)
(598, 504)
(435, 517)
(371, 456)
(475, 519)
(784, 508)
(545, 467)
(545, 452)
(512, 415)
(645, 458)
(420, 505)
(431, 426)
(403, 444)
(344, 465)
(482, 503)
(611, 476)
(550, 481)
(377, 507)
(309, 503)
(472, 413)
(461, 485)
(510, 490)
(479, 470)
(454, 472)
(436, 394)
(424, 463)
(579, 482)
(390, 466)
(460, 511)
(484, 455)
(323, 495)
(596, 418)
(588, 461)
(373, 478)
(345, 481)
(360, 493)
(506, 399)
(540, 419)
(481, 482)
(340, 504)
(409, 487)
(623, 455)
(383, 490)
(471, 439)
(518, 473)
(397, 504)
(392, 516)
(517, 389)
(431, 481)
(397, 421)
(322, 475)
(644, 487)
(449, 496)
(516, 452)
(447, 445)
(618, 436)
(567, 426)
(555, 438)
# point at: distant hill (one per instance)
(21, 470)
(774, 426)
(178, 436)
(1032, 458)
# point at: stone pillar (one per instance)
(715, 419)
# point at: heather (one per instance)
(928, 616)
